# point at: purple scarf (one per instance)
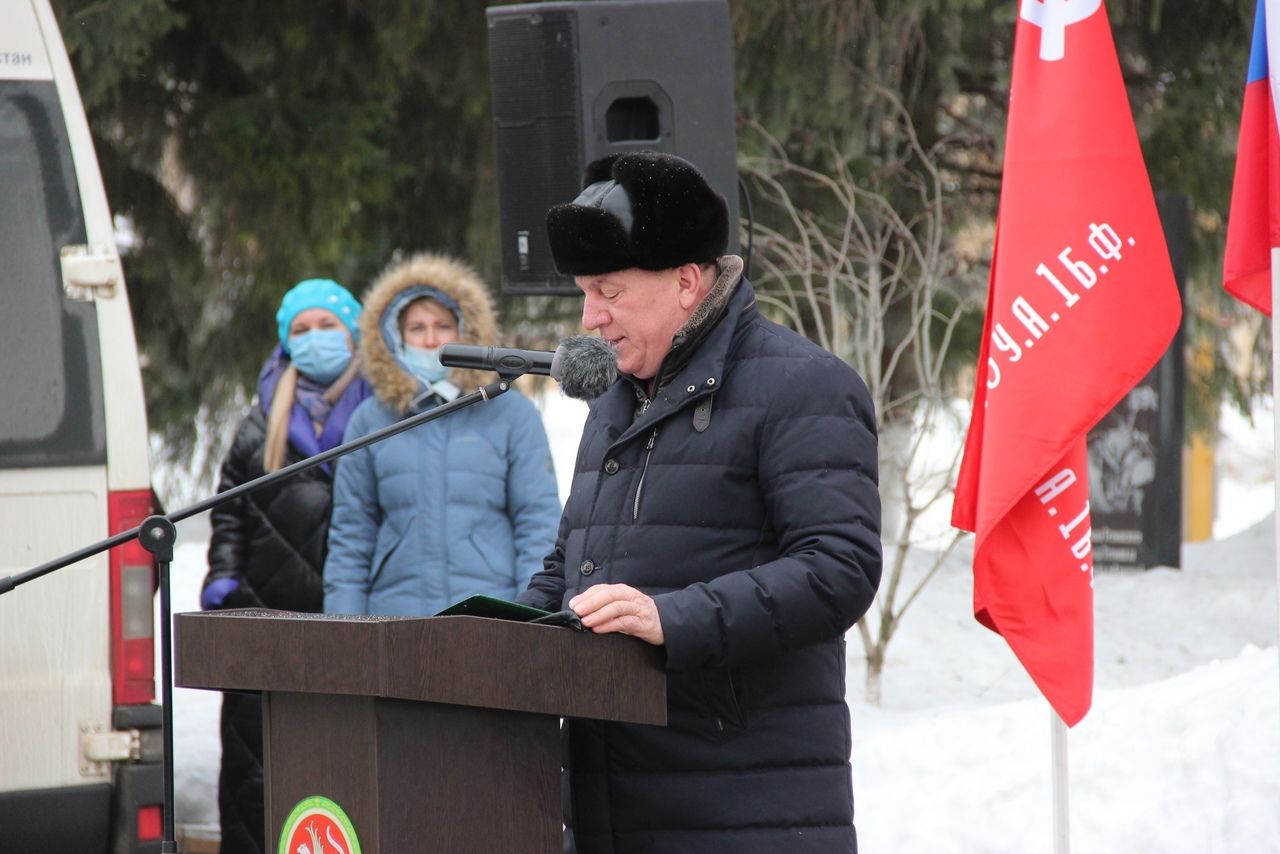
(310, 408)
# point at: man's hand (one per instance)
(619, 608)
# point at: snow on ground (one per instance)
(197, 748)
(1181, 751)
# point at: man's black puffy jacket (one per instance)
(743, 497)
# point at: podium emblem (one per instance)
(317, 825)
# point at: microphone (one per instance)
(584, 365)
(509, 363)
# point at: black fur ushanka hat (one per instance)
(639, 209)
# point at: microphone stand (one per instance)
(157, 535)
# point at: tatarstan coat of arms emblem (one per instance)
(317, 825)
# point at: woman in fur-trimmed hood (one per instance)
(456, 507)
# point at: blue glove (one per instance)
(216, 592)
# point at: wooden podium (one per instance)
(436, 734)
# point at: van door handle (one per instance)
(99, 747)
(90, 272)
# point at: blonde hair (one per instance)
(273, 449)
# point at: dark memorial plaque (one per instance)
(1135, 451)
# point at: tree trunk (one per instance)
(875, 670)
(895, 459)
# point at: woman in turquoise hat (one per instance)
(268, 548)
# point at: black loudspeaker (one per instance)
(573, 82)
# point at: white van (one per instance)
(80, 745)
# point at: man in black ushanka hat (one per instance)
(724, 507)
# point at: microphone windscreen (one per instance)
(585, 366)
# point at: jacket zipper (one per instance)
(648, 452)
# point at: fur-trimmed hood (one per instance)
(454, 279)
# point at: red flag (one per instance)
(1082, 304)
(1253, 227)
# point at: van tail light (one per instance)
(133, 587)
(149, 820)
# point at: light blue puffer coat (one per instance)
(463, 505)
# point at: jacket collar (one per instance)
(703, 320)
(700, 374)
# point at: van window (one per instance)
(51, 411)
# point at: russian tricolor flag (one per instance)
(1254, 227)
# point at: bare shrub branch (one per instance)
(860, 260)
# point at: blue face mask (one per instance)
(321, 355)
(424, 364)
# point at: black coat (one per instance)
(743, 498)
(272, 542)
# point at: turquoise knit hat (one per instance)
(318, 293)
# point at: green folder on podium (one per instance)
(501, 609)
(492, 606)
